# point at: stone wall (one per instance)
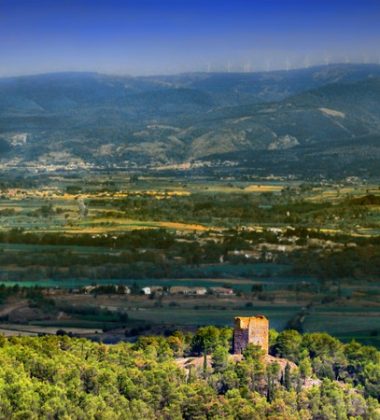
(259, 332)
(251, 330)
(240, 340)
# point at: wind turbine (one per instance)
(247, 68)
(287, 64)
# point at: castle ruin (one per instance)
(251, 330)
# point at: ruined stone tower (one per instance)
(251, 330)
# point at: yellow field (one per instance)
(183, 226)
(53, 194)
(105, 225)
(257, 188)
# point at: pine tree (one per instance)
(287, 378)
(205, 364)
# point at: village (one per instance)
(154, 290)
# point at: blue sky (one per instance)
(170, 36)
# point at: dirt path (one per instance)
(10, 307)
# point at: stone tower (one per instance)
(251, 330)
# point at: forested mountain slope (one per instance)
(277, 120)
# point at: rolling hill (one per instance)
(323, 119)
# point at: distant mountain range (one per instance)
(319, 120)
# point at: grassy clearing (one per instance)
(351, 323)
(48, 328)
(185, 316)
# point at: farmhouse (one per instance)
(124, 290)
(251, 330)
(183, 290)
(248, 254)
(146, 290)
(265, 246)
(88, 289)
(222, 291)
(158, 290)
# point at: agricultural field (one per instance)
(305, 254)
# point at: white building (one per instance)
(146, 290)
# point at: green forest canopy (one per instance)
(58, 377)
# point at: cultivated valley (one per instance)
(110, 255)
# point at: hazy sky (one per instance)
(168, 36)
